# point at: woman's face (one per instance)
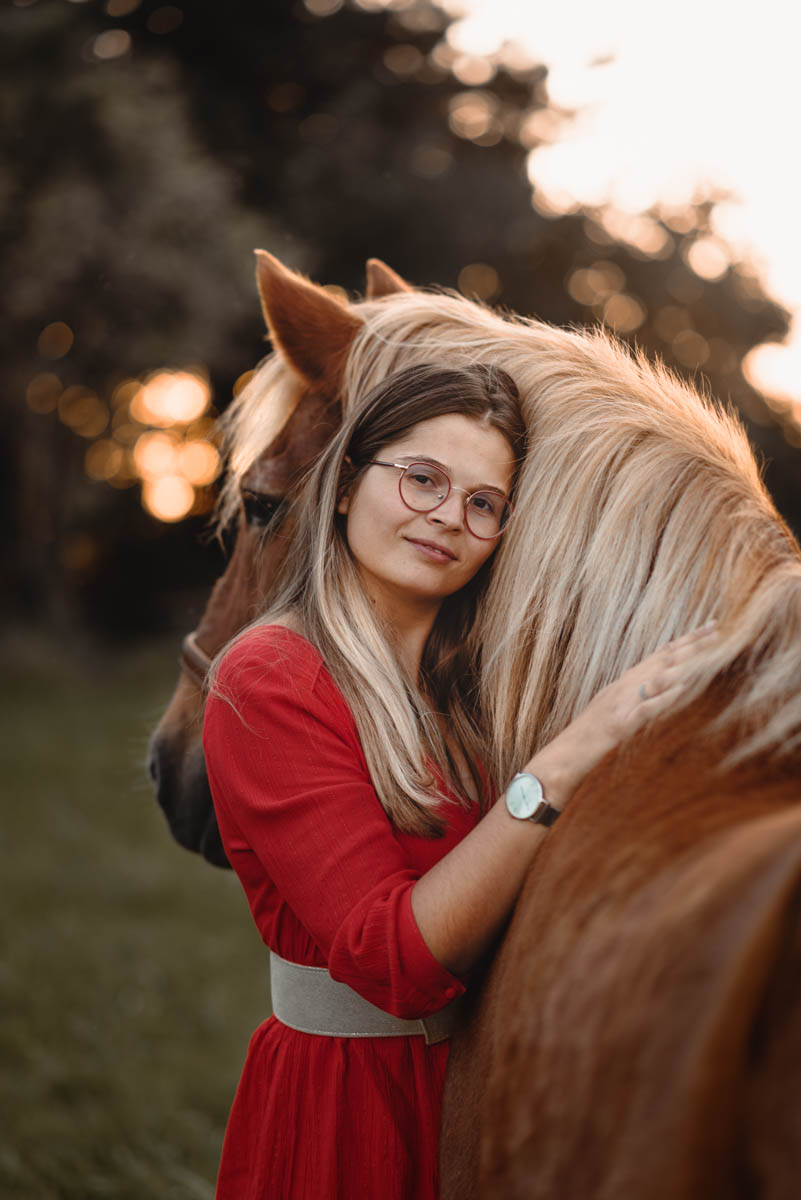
(416, 559)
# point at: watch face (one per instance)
(524, 795)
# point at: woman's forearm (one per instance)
(462, 902)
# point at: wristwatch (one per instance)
(526, 801)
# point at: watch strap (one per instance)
(547, 816)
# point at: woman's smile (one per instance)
(433, 550)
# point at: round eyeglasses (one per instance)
(424, 487)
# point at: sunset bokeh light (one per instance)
(158, 432)
(169, 398)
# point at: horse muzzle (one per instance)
(183, 794)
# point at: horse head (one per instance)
(274, 430)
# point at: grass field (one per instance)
(130, 973)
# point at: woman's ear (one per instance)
(345, 489)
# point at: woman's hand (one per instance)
(647, 690)
(618, 711)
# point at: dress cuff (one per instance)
(433, 980)
(379, 951)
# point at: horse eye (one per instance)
(261, 509)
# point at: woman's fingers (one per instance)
(662, 677)
(654, 706)
(688, 642)
(647, 689)
(673, 655)
(659, 680)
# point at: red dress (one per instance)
(329, 882)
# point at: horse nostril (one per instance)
(152, 763)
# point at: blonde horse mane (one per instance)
(640, 515)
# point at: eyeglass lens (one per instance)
(424, 487)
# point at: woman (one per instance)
(344, 749)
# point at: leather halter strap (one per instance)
(194, 661)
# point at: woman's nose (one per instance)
(450, 513)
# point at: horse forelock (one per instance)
(251, 424)
(640, 514)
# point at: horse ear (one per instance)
(307, 325)
(383, 281)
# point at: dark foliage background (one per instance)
(151, 147)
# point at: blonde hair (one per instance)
(640, 514)
(398, 718)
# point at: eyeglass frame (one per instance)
(421, 462)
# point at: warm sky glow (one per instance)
(696, 96)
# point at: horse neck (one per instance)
(658, 796)
(237, 596)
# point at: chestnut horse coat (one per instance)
(639, 1036)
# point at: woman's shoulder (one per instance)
(271, 670)
(276, 651)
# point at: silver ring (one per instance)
(643, 693)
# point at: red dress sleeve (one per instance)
(288, 778)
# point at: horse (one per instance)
(634, 1027)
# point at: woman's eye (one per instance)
(423, 479)
(485, 503)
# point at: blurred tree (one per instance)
(120, 228)
(155, 145)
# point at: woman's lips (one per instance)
(433, 552)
